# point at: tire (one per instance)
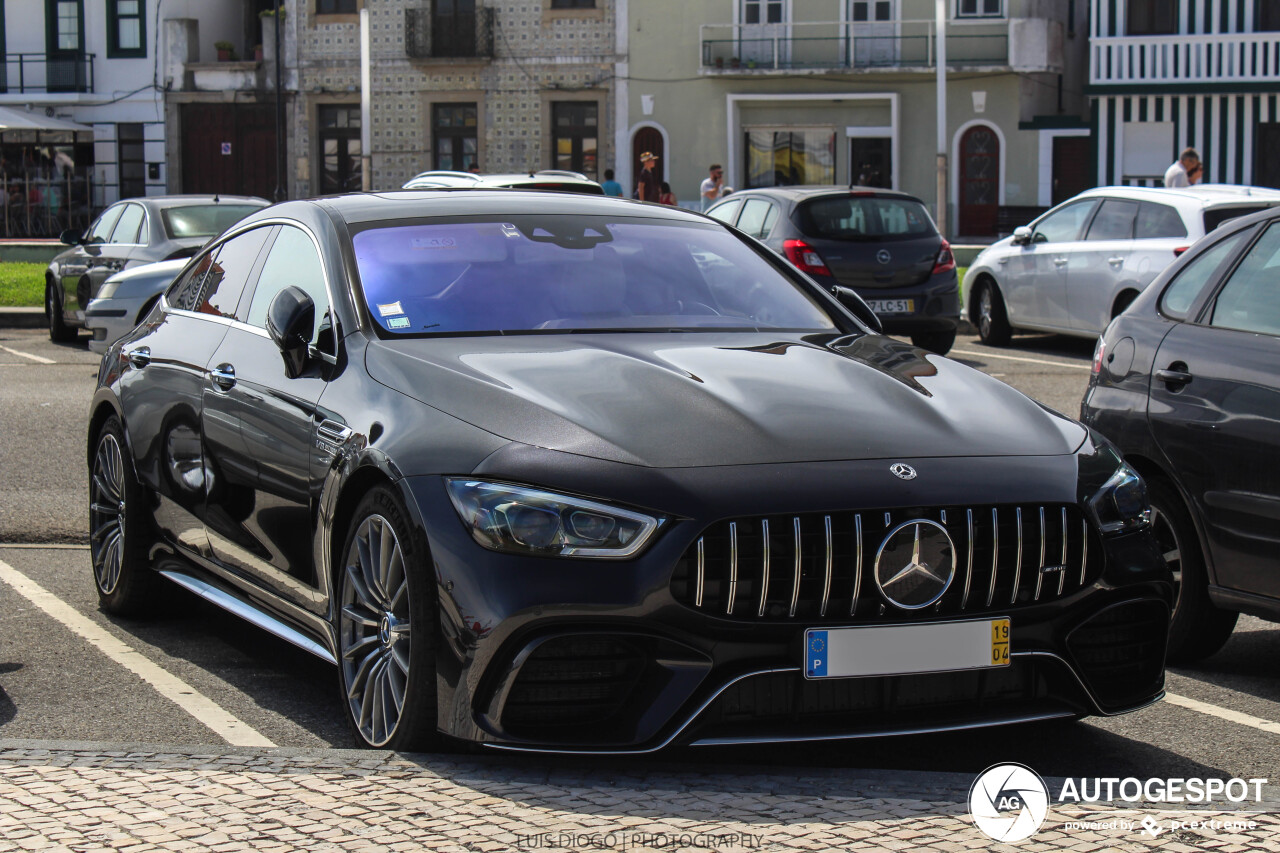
(1198, 628)
(992, 320)
(59, 331)
(117, 525)
(386, 620)
(937, 342)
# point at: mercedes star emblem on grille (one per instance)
(915, 564)
(903, 471)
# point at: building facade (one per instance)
(1171, 74)
(842, 91)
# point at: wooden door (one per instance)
(646, 139)
(1070, 167)
(979, 182)
(229, 148)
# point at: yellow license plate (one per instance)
(906, 649)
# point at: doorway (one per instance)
(646, 139)
(979, 182)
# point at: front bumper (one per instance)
(108, 320)
(608, 657)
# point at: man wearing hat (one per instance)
(647, 188)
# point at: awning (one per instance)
(11, 119)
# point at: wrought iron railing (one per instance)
(40, 72)
(431, 35)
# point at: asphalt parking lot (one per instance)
(196, 708)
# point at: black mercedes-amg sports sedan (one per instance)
(541, 471)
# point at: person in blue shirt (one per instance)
(611, 187)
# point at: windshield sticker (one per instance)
(434, 243)
(398, 323)
(390, 308)
(510, 230)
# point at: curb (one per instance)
(22, 318)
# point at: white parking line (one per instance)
(224, 724)
(1222, 713)
(39, 359)
(1021, 358)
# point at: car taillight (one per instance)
(1099, 353)
(946, 260)
(805, 258)
(1178, 251)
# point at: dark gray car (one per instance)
(880, 244)
(127, 234)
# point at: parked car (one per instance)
(128, 234)
(1185, 383)
(878, 243)
(554, 180)
(1082, 263)
(546, 471)
(125, 299)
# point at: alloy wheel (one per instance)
(984, 312)
(375, 631)
(107, 513)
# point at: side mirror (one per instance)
(852, 301)
(72, 237)
(291, 317)
(1021, 235)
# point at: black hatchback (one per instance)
(881, 244)
(1185, 382)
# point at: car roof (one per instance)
(1203, 195)
(807, 191)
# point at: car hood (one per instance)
(708, 399)
(999, 246)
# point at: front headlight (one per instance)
(521, 520)
(1119, 502)
(108, 289)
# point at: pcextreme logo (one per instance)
(1008, 802)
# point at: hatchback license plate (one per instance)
(892, 306)
(906, 649)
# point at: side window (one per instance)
(127, 227)
(753, 216)
(1114, 220)
(1065, 224)
(233, 262)
(101, 232)
(1250, 300)
(185, 292)
(292, 260)
(769, 219)
(726, 212)
(1158, 220)
(1200, 272)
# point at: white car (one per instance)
(554, 180)
(1079, 265)
(125, 299)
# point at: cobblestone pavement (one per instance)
(76, 797)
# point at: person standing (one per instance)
(1186, 171)
(610, 186)
(666, 196)
(648, 186)
(712, 188)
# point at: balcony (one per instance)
(1185, 59)
(844, 45)
(432, 35)
(31, 73)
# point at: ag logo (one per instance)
(1008, 802)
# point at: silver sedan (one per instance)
(125, 299)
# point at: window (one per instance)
(184, 293)
(455, 136)
(1065, 224)
(1181, 295)
(101, 231)
(293, 260)
(126, 29)
(979, 9)
(453, 28)
(129, 224)
(336, 7)
(65, 67)
(1267, 16)
(1152, 17)
(339, 149)
(754, 215)
(67, 16)
(726, 212)
(871, 161)
(1250, 300)
(1114, 220)
(575, 133)
(1158, 220)
(233, 262)
(762, 11)
(131, 160)
(787, 158)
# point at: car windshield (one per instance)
(864, 218)
(203, 220)
(563, 273)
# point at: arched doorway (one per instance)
(645, 139)
(979, 181)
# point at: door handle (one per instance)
(1174, 376)
(224, 376)
(1060, 262)
(1115, 260)
(139, 357)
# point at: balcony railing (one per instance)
(39, 72)
(1152, 60)
(431, 35)
(844, 44)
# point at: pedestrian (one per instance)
(611, 187)
(1186, 171)
(647, 187)
(666, 196)
(713, 188)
